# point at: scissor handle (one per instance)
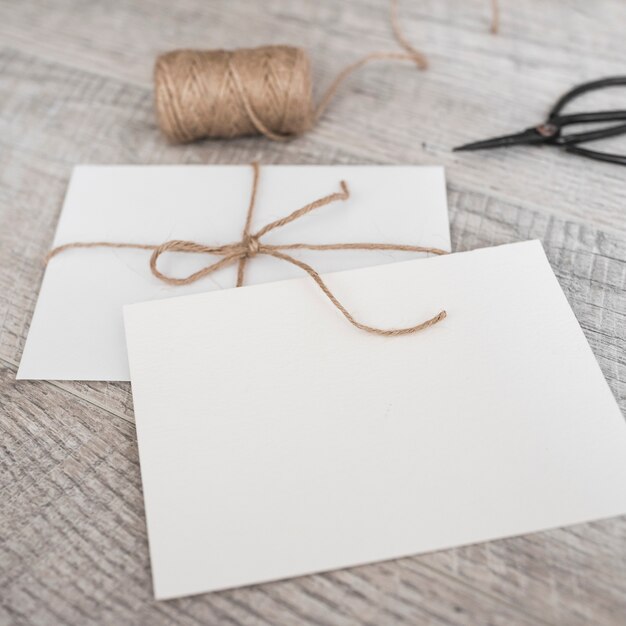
(590, 135)
(556, 124)
(594, 85)
(609, 157)
(570, 141)
(594, 116)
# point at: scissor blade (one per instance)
(528, 136)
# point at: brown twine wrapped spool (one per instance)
(266, 90)
(216, 93)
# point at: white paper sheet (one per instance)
(276, 440)
(77, 331)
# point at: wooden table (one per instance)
(75, 87)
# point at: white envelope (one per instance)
(277, 440)
(77, 333)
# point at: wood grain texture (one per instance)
(75, 87)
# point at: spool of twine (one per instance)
(266, 90)
(217, 93)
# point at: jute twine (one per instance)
(266, 90)
(251, 245)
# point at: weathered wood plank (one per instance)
(581, 569)
(75, 87)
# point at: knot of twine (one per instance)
(251, 245)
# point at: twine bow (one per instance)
(251, 245)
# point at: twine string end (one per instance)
(495, 17)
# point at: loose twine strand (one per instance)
(495, 17)
(412, 54)
(251, 245)
(265, 90)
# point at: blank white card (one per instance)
(277, 440)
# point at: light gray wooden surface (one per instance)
(75, 87)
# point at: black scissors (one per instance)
(550, 131)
